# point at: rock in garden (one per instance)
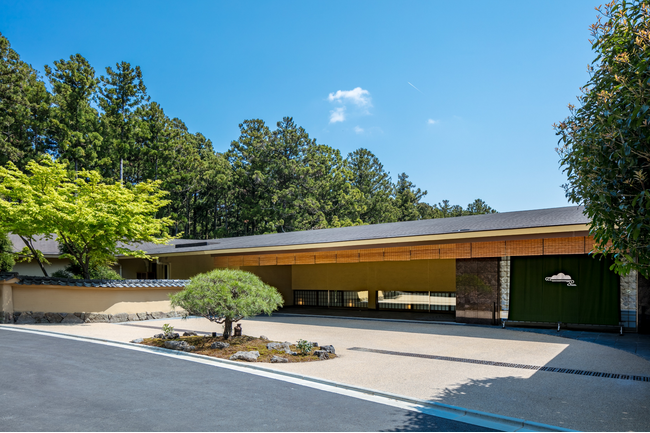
(120, 317)
(71, 318)
(277, 358)
(158, 315)
(219, 345)
(137, 340)
(53, 317)
(179, 345)
(246, 356)
(278, 346)
(263, 337)
(96, 318)
(190, 334)
(314, 344)
(159, 336)
(321, 354)
(25, 319)
(328, 349)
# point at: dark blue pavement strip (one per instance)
(550, 369)
(475, 419)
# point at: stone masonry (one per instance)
(30, 317)
(628, 299)
(504, 286)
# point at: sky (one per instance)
(461, 96)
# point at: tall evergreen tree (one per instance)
(24, 109)
(122, 91)
(407, 198)
(369, 177)
(74, 122)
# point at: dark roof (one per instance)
(569, 215)
(49, 247)
(53, 281)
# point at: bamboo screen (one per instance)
(398, 254)
(488, 249)
(351, 256)
(513, 248)
(221, 261)
(529, 247)
(286, 259)
(456, 251)
(268, 260)
(235, 260)
(424, 252)
(325, 257)
(564, 246)
(251, 260)
(305, 259)
(371, 255)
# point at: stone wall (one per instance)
(477, 290)
(504, 286)
(29, 317)
(628, 299)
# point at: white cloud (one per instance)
(432, 122)
(337, 115)
(357, 96)
(358, 129)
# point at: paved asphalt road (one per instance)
(53, 384)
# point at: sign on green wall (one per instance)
(569, 289)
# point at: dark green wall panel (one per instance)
(594, 300)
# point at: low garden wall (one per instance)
(61, 300)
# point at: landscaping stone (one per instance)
(25, 319)
(328, 349)
(278, 346)
(263, 337)
(39, 317)
(190, 334)
(159, 336)
(179, 345)
(219, 345)
(53, 317)
(72, 318)
(158, 315)
(137, 340)
(277, 358)
(314, 344)
(321, 354)
(246, 356)
(96, 318)
(132, 317)
(120, 317)
(142, 316)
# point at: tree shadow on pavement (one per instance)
(416, 421)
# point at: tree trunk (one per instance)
(28, 242)
(227, 329)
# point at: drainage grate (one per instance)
(508, 364)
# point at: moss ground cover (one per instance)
(244, 343)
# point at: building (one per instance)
(530, 266)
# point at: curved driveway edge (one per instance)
(478, 418)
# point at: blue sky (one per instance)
(459, 95)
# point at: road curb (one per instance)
(474, 417)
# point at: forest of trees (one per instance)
(268, 181)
